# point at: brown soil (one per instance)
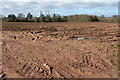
(51, 50)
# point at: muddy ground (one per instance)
(52, 50)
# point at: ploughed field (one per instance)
(60, 50)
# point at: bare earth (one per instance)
(51, 50)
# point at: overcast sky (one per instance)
(62, 7)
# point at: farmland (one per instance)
(53, 50)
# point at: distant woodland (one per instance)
(58, 18)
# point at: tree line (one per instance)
(58, 18)
(29, 18)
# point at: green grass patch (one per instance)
(114, 45)
(116, 68)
